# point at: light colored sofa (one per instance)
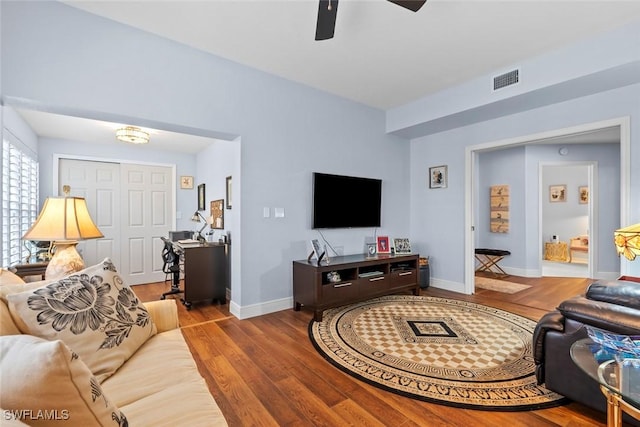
(158, 385)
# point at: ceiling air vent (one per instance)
(506, 79)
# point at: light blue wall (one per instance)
(19, 131)
(608, 61)
(61, 59)
(214, 164)
(586, 82)
(518, 167)
(503, 167)
(437, 217)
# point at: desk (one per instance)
(206, 271)
(556, 251)
(607, 374)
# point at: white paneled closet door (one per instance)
(99, 184)
(132, 206)
(146, 202)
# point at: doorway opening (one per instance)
(532, 231)
(568, 214)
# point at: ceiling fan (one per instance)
(327, 10)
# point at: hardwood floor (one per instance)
(264, 371)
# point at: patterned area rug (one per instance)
(499, 285)
(440, 350)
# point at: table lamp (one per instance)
(65, 221)
(197, 217)
(627, 241)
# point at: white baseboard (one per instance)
(522, 272)
(245, 312)
(447, 285)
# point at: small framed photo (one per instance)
(217, 214)
(583, 195)
(371, 249)
(557, 193)
(402, 245)
(186, 182)
(201, 198)
(438, 177)
(228, 192)
(317, 250)
(383, 245)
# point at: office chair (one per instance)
(171, 268)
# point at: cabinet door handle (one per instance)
(405, 273)
(342, 285)
(375, 279)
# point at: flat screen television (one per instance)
(346, 201)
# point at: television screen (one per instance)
(346, 201)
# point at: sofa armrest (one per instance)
(550, 321)
(164, 314)
(618, 292)
(604, 315)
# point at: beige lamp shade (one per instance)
(63, 219)
(627, 241)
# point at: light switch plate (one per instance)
(278, 212)
(266, 212)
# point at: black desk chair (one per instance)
(171, 268)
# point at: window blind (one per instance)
(19, 200)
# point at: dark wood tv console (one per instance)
(360, 278)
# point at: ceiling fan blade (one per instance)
(413, 5)
(327, 10)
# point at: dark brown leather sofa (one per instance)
(609, 305)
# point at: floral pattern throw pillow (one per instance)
(92, 312)
(44, 383)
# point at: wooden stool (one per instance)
(489, 259)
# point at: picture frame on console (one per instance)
(371, 250)
(383, 246)
(402, 245)
(316, 250)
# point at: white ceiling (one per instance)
(382, 55)
(56, 126)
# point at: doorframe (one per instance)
(471, 159)
(592, 208)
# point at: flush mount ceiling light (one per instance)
(133, 135)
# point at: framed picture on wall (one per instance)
(228, 183)
(438, 177)
(557, 193)
(217, 214)
(201, 198)
(583, 195)
(186, 182)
